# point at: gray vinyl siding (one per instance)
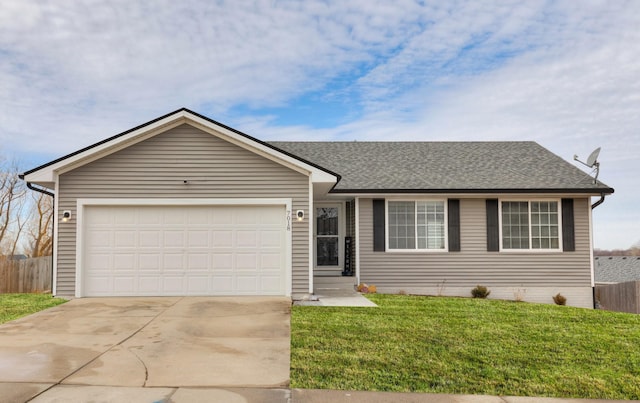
(157, 167)
(473, 264)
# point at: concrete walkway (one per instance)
(335, 291)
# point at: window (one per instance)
(530, 225)
(416, 225)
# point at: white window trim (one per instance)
(529, 200)
(416, 250)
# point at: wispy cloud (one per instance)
(562, 73)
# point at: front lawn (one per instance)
(14, 306)
(467, 346)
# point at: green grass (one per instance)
(14, 306)
(467, 346)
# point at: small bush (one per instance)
(480, 292)
(559, 299)
(366, 289)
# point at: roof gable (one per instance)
(45, 175)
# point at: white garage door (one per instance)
(183, 250)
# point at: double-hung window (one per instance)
(530, 225)
(416, 225)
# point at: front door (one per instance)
(328, 235)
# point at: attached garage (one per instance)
(182, 205)
(175, 249)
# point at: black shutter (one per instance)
(453, 209)
(378, 225)
(568, 232)
(493, 232)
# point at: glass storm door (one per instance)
(327, 236)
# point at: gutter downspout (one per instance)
(599, 202)
(53, 233)
(593, 289)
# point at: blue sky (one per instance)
(564, 73)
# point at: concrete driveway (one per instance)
(155, 343)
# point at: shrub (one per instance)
(366, 289)
(559, 299)
(480, 292)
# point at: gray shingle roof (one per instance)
(616, 269)
(444, 166)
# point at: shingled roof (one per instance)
(616, 269)
(430, 167)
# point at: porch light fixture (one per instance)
(300, 215)
(66, 215)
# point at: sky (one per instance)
(565, 74)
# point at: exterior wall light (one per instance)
(66, 215)
(300, 215)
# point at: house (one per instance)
(184, 205)
(616, 269)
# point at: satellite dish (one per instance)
(593, 157)
(592, 162)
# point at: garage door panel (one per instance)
(270, 239)
(249, 218)
(198, 262)
(97, 238)
(124, 261)
(149, 285)
(120, 216)
(221, 283)
(184, 250)
(149, 239)
(246, 239)
(124, 284)
(149, 262)
(99, 261)
(271, 217)
(247, 284)
(197, 285)
(173, 238)
(269, 262)
(221, 238)
(173, 284)
(246, 261)
(171, 260)
(125, 238)
(270, 283)
(198, 239)
(198, 215)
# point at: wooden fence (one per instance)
(620, 297)
(25, 276)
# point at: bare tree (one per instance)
(12, 194)
(39, 232)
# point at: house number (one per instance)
(288, 220)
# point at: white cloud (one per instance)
(564, 74)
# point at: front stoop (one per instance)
(336, 291)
